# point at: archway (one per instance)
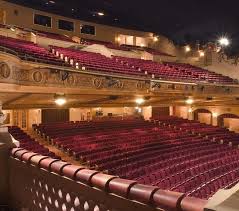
(220, 118)
(204, 119)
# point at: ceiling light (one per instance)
(33, 34)
(187, 48)
(201, 54)
(223, 41)
(100, 13)
(139, 101)
(12, 29)
(60, 99)
(156, 39)
(189, 101)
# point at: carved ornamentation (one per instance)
(140, 85)
(97, 82)
(37, 76)
(70, 80)
(5, 70)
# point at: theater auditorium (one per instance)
(98, 115)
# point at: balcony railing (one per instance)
(38, 182)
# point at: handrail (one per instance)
(92, 189)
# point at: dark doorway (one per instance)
(55, 115)
(160, 111)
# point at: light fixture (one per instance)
(118, 39)
(12, 29)
(60, 99)
(201, 54)
(139, 101)
(189, 101)
(33, 34)
(187, 48)
(156, 39)
(214, 114)
(223, 41)
(100, 13)
(142, 45)
(190, 110)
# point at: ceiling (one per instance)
(34, 100)
(184, 21)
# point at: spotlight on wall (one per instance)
(139, 101)
(190, 110)
(60, 99)
(189, 101)
(214, 114)
(223, 41)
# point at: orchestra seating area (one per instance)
(29, 143)
(203, 160)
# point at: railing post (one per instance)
(5, 145)
(4, 175)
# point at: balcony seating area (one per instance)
(169, 152)
(116, 64)
(29, 143)
(96, 61)
(29, 51)
(140, 67)
(175, 71)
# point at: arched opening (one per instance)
(229, 121)
(203, 116)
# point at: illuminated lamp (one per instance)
(189, 101)
(60, 99)
(139, 101)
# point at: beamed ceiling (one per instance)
(43, 100)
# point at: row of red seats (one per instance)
(29, 51)
(165, 154)
(176, 71)
(29, 143)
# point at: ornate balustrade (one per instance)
(41, 183)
